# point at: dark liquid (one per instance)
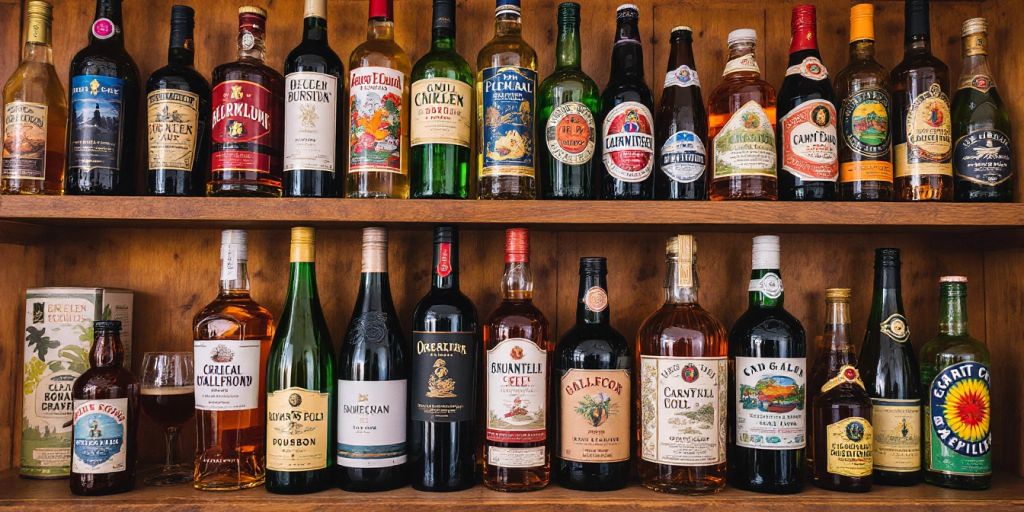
(169, 407)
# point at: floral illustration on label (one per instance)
(769, 284)
(24, 151)
(683, 76)
(742, 63)
(516, 392)
(240, 122)
(895, 327)
(770, 403)
(100, 430)
(897, 425)
(570, 133)
(596, 299)
(95, 134)
(683, 410)
(310, 121)
(849, 447)
(508, 121)
(984, 157)
(683, 157)
(372, 423)
(959, 413)
(174, 130)
(866, 122)
(810, 68)
(441, 112)
(595, 415)
(297, 428)
(746, 144)
(810, 142)
(628, 151)
(375, 120)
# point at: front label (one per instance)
(929, 145)
(895, 327)
(810, 148)
(241, 122)
(375, 120)
(516, 392)
(770, 396)
(683, 157)
(628, 149)
(683, 76)
(227, 374)
(441, 112)
(959, 440)
(810, 68)
(746, 144)
(24, 153)
(683, 410)
(95, 122)
(172, 117)
(866, 133)
(371, 423)
(897, 425)
(516, 457)
(310, 121)
(570, 133)
(594, 417)
(508, 119)
(984, 157)
(443, 372)
(849, 447)
(297, 429)
(100, 436)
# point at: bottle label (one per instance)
(959, 440)
(980, 83)
(508, 119)
(770, 403)
(241, 122)
(297, 429)
(24, 153)
(683, 409)
(897, 434)
(683, 76)
(103, 28)
(846, 375)
(628, 150)
(441, 112)
(810, 68)
(866, 133)
(683, 157)
(375, 120)
(227, 374)
(770, 285)
(895, 327)
(595, 299)
(810, 144)
(100, 436)
(594, 422)
(747, 63)
(371, 423)
(849, 447)
(571, 134)
(929, 145)
(746, 144)
(516, 392)
(310, 121)
(443, 373)
(172, 117)
(984, 157)
(444, 261)
(95, 134)
(516, 457)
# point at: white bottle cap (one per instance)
(623, 7)
(742, 35)
(234, 242)
(766, 253)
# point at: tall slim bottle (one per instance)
(681, 126)
(300, 383)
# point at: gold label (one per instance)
(441, 112)
(975, 44)
(172, 117)
(297, 427)
(849, 447)
(24, 153)
(37, 30)
(594, 418)
(897, 426)
(896, 328)
(982, 83)
(929, 145)
(847, 375)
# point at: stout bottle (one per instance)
(682, 126)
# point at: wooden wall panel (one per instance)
(1005, 39)
(1004, 285)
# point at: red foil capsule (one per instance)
(517, 245)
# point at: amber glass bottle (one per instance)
(681, 126)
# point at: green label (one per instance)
(959, 419)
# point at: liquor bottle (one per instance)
(35, 113)
(516, 372)
(808, 143)
(247, 129)
(106, 418)
(593, 363)
(506, 78)
(570, 102)
(104, 94)
(768, 352)
(958, 414)
(443, 435)
(372, 381)
(313, 88)
(741, 126)
(627, 125)
(378, 153)
(301, 398)
(865, 159)
(178, 116)
(982, 159)
(681, 126)
(442, 114)
(922, 135)
(841, 411)
(232, 344)
(889, 369)
(682, 385)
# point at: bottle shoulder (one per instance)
(797, 89)
(862, 74)
(959, 348)
(174, 76)
(765, 324)
(384, 53)
(233, 318)
(918, 66)
(506, 51)
(248, 70)
(438, 303)
(569, 79)
(442, 63)
(314, 58)
(105, 383)
(105, 61)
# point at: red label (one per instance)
(241, 117)
(444, 263)
(516, 436)
(629, 142)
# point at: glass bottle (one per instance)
(569, 102)
(741, 126)
(378, 137)
(442, 114)
(683, 352)
(35, 113)
(982, 155)
(958, 414)
(865, 158)
(506, 78)
(681, 126)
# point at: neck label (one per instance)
(896, 328)
(810, 68)
(103, 28)
(444, 260)
(595, 299)
(770, 285)
(683, 76)
(747, 63)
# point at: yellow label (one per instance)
(24, 151)
(865, 170)
(172, 117)
(297, 428)
(594, 417)
(897, 426)
(849, 447)
(441, 110)
(929, 145)
(975, 44)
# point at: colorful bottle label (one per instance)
(683, 76)
(571, 134)
(104, 28)
(683, 157)
(848, 442)
(100, 436)
(866, 133)
(897, 426)
(980, 83)
(227, 374)
(895, 326)
(984, 157)
(746, 63)
(95, 134)
(371, 423)
(959, 440)
(443, 376)
(24, 152)
(508, 121)
(810, 143)
(929, 145)
(172, 121)
(746, 144)
(594, 417)
(810, 68)
(683, 409)
(441, 112)
(241, 122)
(628, 149)
(516, 392)
(297, 429)
(770, 402)
(375, 119)
(310, 121)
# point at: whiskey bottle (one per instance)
(682, 385)
(982, 155)
(232, 338)
(506, 80)
(741, 126)
(957, 411)
(865, 159)
(681, 126)
(35, 113)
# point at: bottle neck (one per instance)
(445, 274)
(769, 292)
(251, 44)
(181, 50)
(975, 55)
(887, 298)
(627, 52)
(680, 287)
(302, 285)
(380, 29)
(234, 278)
(592, 300)
(837, 327)
(804, 39)
(863, 49)
(508, 24)
(38, 40)
(37, 52)
(314, 29)
(568, 48)
(517, 284)
(105, 33)
(106, 351)
(375, 292)
(954, 310)
(681, 53)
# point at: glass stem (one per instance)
(171, 451)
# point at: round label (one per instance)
(629, 142)
(810, 68)
(960, 415)
(103, 28)
(866, 122)
(596, 299)
(570, 133)
(683, 157)
(896, 328)
(929, 126)
(769, 284)
(983, 157)
(248, 40)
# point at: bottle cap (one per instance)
(315, 9)
(445, 234)
(234, 244)
(627, 11)
(252, 9)
(507, 7)
(974, 26)
(382, 9)
(916, 16)
(593, 265)
(517, 245)
(803, 29)
(107, 326)
(681, 28)
(375, 250)
(683, 247)
(766, 252)
(953, 279)
(742, 35)
(862, 22)
(838, 294)
(39, 8)
(568, 13)
(444, 14)
(303, 245)
(887, 256)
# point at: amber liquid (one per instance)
(735, 91)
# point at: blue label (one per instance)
(508, 123)
(960, 438)
(683, 157)
(96, 117)
(99, 436)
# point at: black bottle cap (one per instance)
(183, 15)
(107, 326)
(445, 234)
(887, 257)
(594, 265)
(916, 19)
(444, 14)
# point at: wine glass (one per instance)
(168, 397)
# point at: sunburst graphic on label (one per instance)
(967, 409)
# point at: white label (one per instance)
(683, 76)
(310, 121)
(769, 284)
(811, 68)
(747, 63)
(683, 404)
(628, 151)
(683, 157)
(100, 434)
(771, 402)
(516, 392)
(515, 457)
(227, 374)
(371, 423)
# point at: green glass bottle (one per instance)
(957, 408)
(300, 384)
(569, 102)
(442, 113)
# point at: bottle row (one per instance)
(686, 405)
(436, 129)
